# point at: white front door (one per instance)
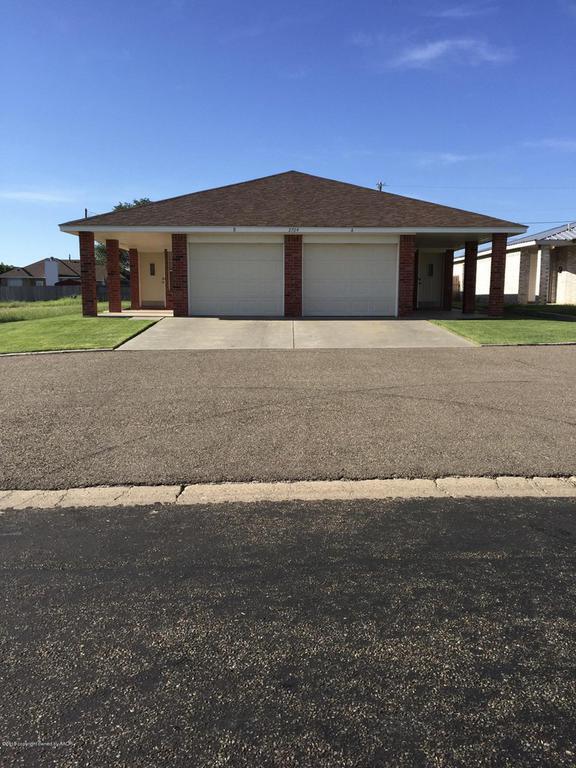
(152, 280)
(236, 279)
(430, 279)
(349, 279)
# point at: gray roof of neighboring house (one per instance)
(566, 233)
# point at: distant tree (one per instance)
(5, 267)
(100, 248)
(100, 254)
(136, 203)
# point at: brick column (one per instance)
(406, 274)
(448, 280)
(524, 276)
(180, 274)
(134, 278)
(469, 290)
(293, 275)
(497, 275)
(113, 275)
(168, 279)
(544, 288)
(88, 274)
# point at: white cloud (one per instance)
(569, 6)
(463, 50)
(363, 40)
(443, 158)
(563, 145)
(300, 73)
(463, 11)
(32, 196)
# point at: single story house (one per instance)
(540, 268)
(289, 245)
(49, 272)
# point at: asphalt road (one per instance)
(179, 417)
(430, 633)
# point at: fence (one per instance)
(51, 292)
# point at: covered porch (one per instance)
(151, 272)
(159, 265)
(433, 286)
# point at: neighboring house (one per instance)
(290, 244)
(49, 272)
(540, 268)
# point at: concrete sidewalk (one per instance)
(319, 490)
(182, 333)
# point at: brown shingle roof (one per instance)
(15, 272)
(292, 199)
(67, 268)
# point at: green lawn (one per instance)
(13, 311)
(539, 309)
(68, 332)
(39, 326)
(512, 331)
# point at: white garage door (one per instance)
(349, 279)
(236, 279)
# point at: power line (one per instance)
(429, 186)
(558, 221)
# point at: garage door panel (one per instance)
(349, 279)
(236, 279)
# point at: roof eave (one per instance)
(503, 228)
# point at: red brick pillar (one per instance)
(134, 278)
(113, 275)
(88, 274)
(497, 275)
(180, 274)
(469, 291)
(293, 275)
(406, 274)
(168, 279)
(448, 280)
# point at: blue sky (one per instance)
(464, 103)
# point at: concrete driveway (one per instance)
(226, 333)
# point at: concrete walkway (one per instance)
(218, 333)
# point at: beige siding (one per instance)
(566, 280)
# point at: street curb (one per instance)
(55, 352)
(314, 490)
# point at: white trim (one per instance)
(367, 238)
(512, 247)
(236, 237)
(556, 243)
(303, 230)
